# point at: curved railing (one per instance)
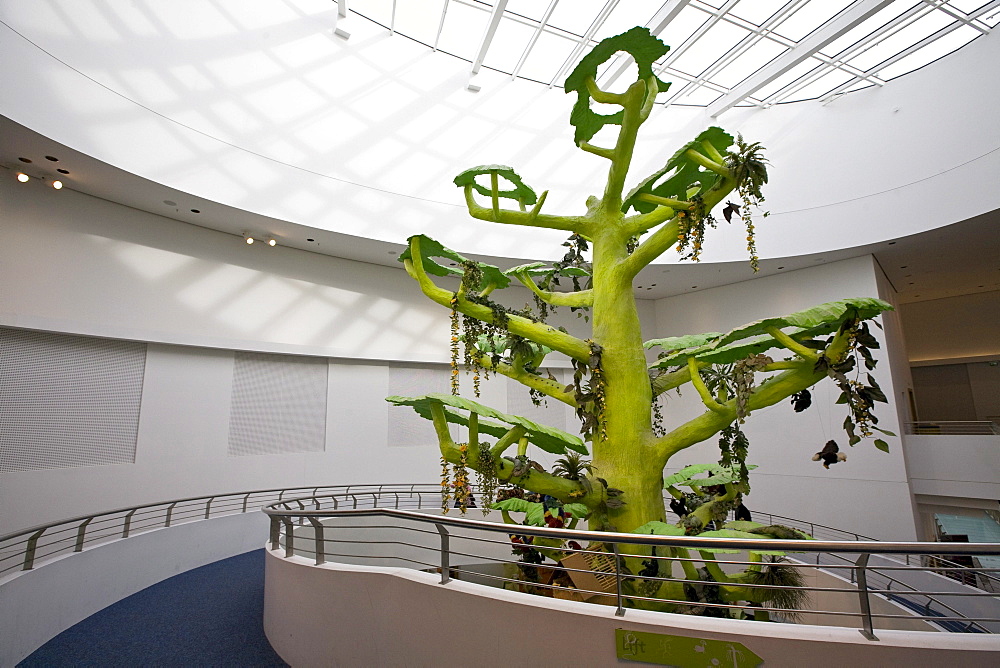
(28, 548)
(335, 527)
(319, 505)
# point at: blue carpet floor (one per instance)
(210, 616)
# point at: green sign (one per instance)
(683, 652)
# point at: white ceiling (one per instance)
(953, 260)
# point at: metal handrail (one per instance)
(953, 428)
(283, 513)
(26, 548)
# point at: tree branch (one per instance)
(535, 331)
(578, 299)
(640, 223)
(549, 388)
(674, 379)
(699, 384)
(791, 344)
(711, 422)
(524, 218)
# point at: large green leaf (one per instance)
(637, 42)
(542, 269)
(734, 533)
(672, 343)
(659, 529)
(520, 192)
(830, 314)
(535, 512)
(547, 438)
(742, 525)
(718, 475)
(751, 338)
(430, 249)
(684, 172)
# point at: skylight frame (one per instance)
(690, 82)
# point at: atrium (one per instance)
(204, 204)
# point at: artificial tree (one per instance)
(615, 388)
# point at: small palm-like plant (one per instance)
(572, 467)
(789, 593)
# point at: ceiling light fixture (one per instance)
(22, 177)
(271, 242)
(57, 185)
(249, 239)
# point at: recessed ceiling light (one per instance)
(310, 240)
(22, 177)
(170, 202)
(892, 243)
(57, 185)
(27, 160)
(780, 267)
(693, 287)
(195, 211)
(49, 157)
(62, 171)
(904, 266)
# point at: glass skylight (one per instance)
(723, 53)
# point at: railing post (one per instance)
(246, 499)
(170, 514)
(29, 550)
(866, 610)
(620, 612)
(128, 522)
(80, 533)
(320, 544)
(289, 536)
(275, 532)
(208, 507)
(445, 555)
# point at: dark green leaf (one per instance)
(547, 438)
(644, 48)
(520, 192)
(881, 445)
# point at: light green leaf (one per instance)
(751, 339)
(742, 525)
(534, 513)
(672, 343)
(430, 249)
(718, 475)
(644, 48)
(577, 510)
(659, 529)
(547, 438)
(734, 533)
(520, 192)
(684, 173)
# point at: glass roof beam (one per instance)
(620, 64)
(942, 5)
(843, 88)
(757, 33)
(534, 37)
(444, 14)
(491, 30)
(841, 60)
(715, 15)
(810, 45)
(585, 41)
(342, 8)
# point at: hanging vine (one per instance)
(733, 446)
(445, 486)
(454, 345)
(487, 479)
(460, 483)
(589, 391)
(860, 398)
(749, 168)
(743, 380)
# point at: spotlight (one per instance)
(57, 185)
(249, 241)
(22, 177)
(272, 242)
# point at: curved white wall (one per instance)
(260, 107)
